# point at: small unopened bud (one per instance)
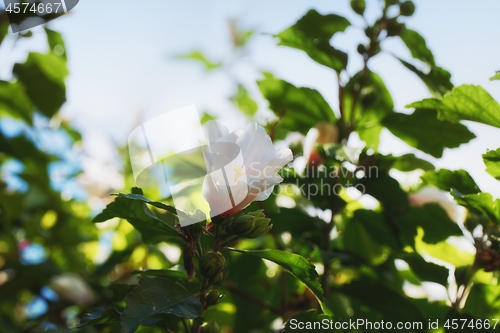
(210, 327)
(212, 263)
(212, 297)
(216, 279)
(407, 8)
(243, 224)
(261, 225)
(358, 6)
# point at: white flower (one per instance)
(242, 167)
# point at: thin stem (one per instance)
(463, 289)
(186, 325)
(203, 292)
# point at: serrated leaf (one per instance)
(312, 34)
(201, 58)
(298, 109)
(417, 46)
(138, 196)
(296, 265)
(495, 77)
(492, 161)
(446, 180)
(437, 79)
(422, 130)
(15, 102)
(56, 42)
(43, 77)
(157, 296)
(100, 315)
(132, 208)
(120, 290)
(466, 102)
(431, 217)
(410, 162)
(425, 270)
(481, 203)
(244, 101)
(373, 103)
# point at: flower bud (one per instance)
(358, 6)
(261, 226)
(212, 297)
(216, 279)
(210, 327)
(394, 28)
(212, 263)
(361, 49)
(243, 224)
(407, 8)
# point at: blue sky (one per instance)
(121, 66)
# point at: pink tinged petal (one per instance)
(309, 142)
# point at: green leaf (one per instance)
(205, 117)
(417, 46)
(437, 79)
(100, 315)
(43, 76)
(481, 203)
(308, 319)
(296, 265)
(368, 236)
(492, 161)
(132, 208)
(466, 102)
(425, 270)
(298, 109)
(387, 190)
(436, 224)
(495, 77)
(157, 296)
(56, 43)
(4, 26)
(446, 180)
(410, 162)
(244, 101)
(394, 306)
(14, 101)
(138, 196)
(483, 301)
(200, 57)
(119, 291)
(422, 130)
(171, 274)
(366, 102)
(312, 34)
